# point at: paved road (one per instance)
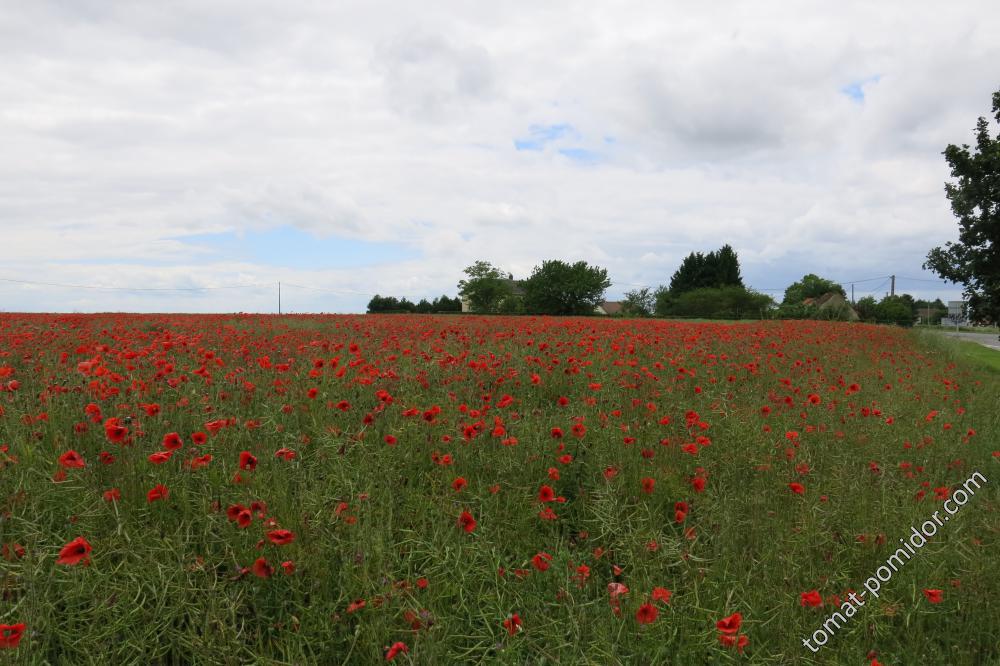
(990, 340)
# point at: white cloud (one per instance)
(128, 126)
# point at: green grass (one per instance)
(969, 353)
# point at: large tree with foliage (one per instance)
(560, 288)
(810, 286)
(720, 268)
(487, 287)
(974, 261)
(727, 268)
(639, 302)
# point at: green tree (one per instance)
(895, 310)
(810, 286)
(867, 308)
(560, 288)
(727, 268)
(487, 287)
(382, 304)
(424, 306)
(445, 304)
(720, 268)
(690, 274)
(974, 261)
(639, 302)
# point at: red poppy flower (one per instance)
(648, 485)
(201, 461)
(396, 648)
(160, 457)
(546, 494)
(289, 567)
(94, 412)
(199, 438)
(458, 484)
(10, 635)
(280, 537)
(248, 461)
(739, 642)
(172, 441)
(811, 598)
(71, 459)
(115, 432)
(261, 568)
(113, 495)
(662, 594)
(647, 613)
(731, 624)
(157, 492)
(467, 522)
(75, 552)
(934, 596)
(541, 561)
(797, 488)
(244, 518)
(615, 592)
(512, 624)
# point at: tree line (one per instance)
(390, 304)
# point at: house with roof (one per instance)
(833, 305)
(610, 308)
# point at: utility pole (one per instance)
(892, 288)
(852, 294)
(279, 297)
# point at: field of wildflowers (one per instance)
(181, 489)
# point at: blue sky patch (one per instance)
(580, 155)
(539, 135)
(856, 89)
(293, 248)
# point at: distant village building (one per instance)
(610, 308)
(833, 304)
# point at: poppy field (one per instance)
(229, 489)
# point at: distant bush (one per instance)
(387, 304)
(714, 303)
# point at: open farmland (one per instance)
(437, 490)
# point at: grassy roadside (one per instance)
(965, 351)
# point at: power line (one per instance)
(879, 288)
(881, 277)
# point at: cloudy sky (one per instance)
(347, 149)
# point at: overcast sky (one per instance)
(381, 147)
